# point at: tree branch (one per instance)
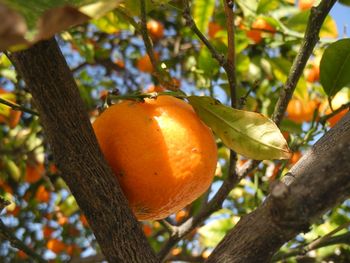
(319, 181)
(74, 145)
(317, 16)
(17, 107)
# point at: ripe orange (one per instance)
(339, 99)
(163, 155)
(332, 121)
(144, 63)
(181, 215)
(56, 246)
(299, 111)
(120, 63)
(73, 250)
(213, 28)
(295, 157)
(47, 231)
(42, 195)
(147, 230)
(34, 172)
(312, 73)
(84, 220)
(305, 4)
(22, 255)
(259, 27)
(155, 29)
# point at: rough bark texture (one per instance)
(69, 132)
(318, 182)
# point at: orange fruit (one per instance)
(213, 28)
(147, 230)
(312, 73)
(15, 211)
(259, 27)
(84, 220)
(42, 195)
(181, 215)
(163, 155)
(333, 121)
(144, 63)
(339, 99)
(295, 157)
(155, 29)
(34, 172)
(53, 168)
(22, 255)
(47, 231)
(305, 4)
(299, 111)
(5, 187)
(73, 250)
(120, 63)
(56, 246)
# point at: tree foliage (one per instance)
(236, 69)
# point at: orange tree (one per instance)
(267, 77)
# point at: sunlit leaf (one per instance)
(335, 67)
(213, 232)
(280, 69)
(265, 6)
(248, 133)
(69, 206)
(202, 11)
(27, 22)
(248, 6)
(298, 22)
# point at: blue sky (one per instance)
(341, 14)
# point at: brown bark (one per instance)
(318, 182)
(69, 133)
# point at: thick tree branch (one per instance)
(319, 181)
(69, 132)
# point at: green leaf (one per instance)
(213, 232)
(280, 68)
(267, 5)
(345, 2)
(207, 63)
(69, 206)
(248, 133)
(298, 22)
(248, 7)
(335, 67)
(202, 11)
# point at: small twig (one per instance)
(162, 76)
(121, 11)
(146, 37)
(17, 107)
(231, 54)
(191, 24)
(167, 225)
(319, 243)
(324, 118)
(7, 234)
(317, 16)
